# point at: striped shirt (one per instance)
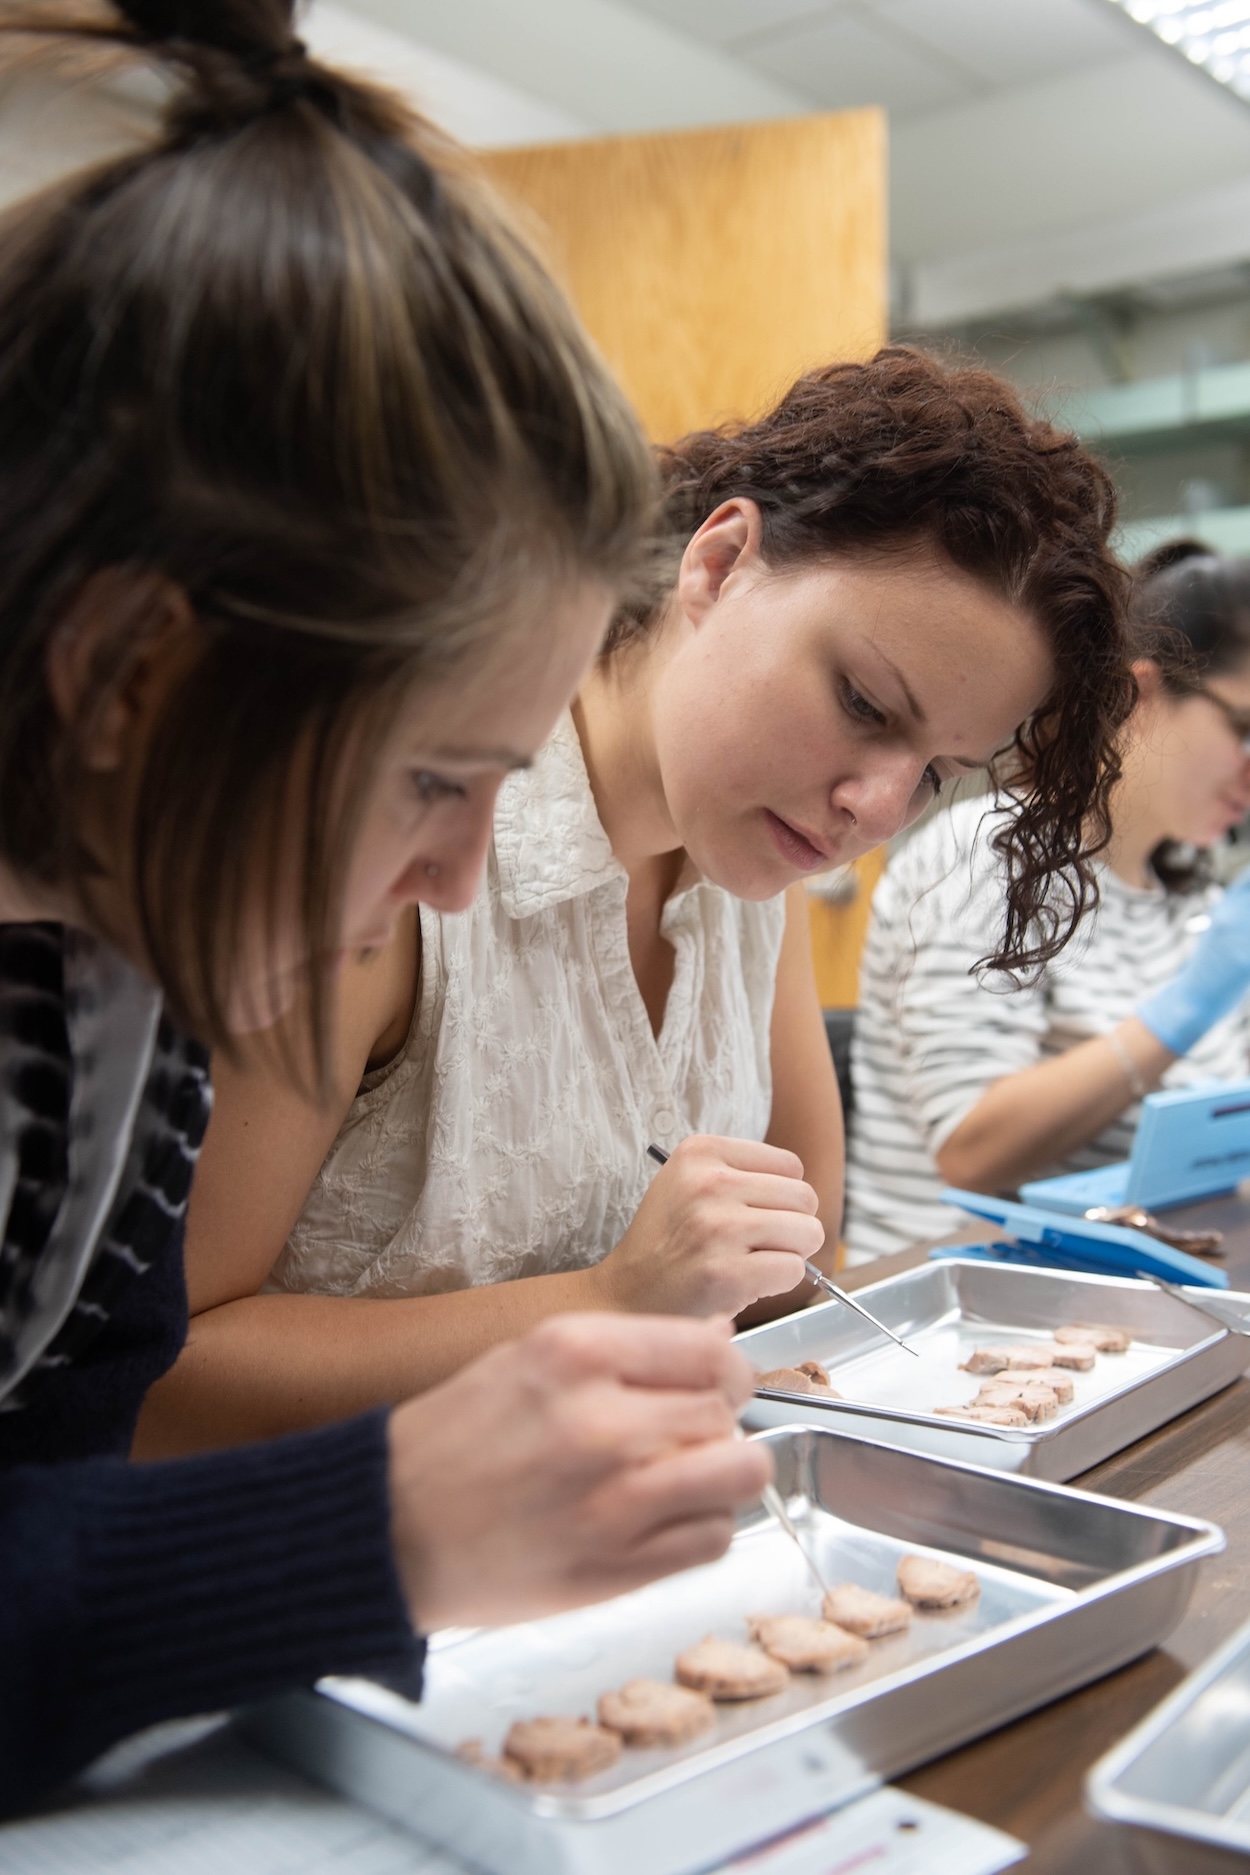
(931, 1038)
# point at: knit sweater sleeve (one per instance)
(130, 1594)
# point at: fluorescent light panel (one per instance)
(1213, 34)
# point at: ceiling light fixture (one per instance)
(1212, 34)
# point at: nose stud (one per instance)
(431, 871)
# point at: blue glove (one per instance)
(1214, 980)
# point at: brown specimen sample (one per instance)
(999, 1360)
(475, 1753)
(807, 1377)
(1013, 1415)
(1097, 1335)
(863, 1611)
(930, 1584)
(727, 1670)
(1034, 1398)
(786, 1379)
(1078, 1355)
(807, 1645)
(1060, 1383)
(653, 1712)
(553, 1750)
(1031, 1359)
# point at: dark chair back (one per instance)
(839, 1027)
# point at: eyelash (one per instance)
(859, 707)
(864, 712)
(429, 787)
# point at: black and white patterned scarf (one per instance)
(103, 1106)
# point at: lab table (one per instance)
(1027, 1777)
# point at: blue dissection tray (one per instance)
(1049, 1239)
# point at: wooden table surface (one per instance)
(1027, 1777)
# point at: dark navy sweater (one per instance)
(132, 1593)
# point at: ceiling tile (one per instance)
(1107, 141)
(721, 21)
(1011, 42)
(844, 61)
(475, 105)
(613, 66)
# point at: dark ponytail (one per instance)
(241, 59)
(293, 360)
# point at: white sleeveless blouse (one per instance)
(509, 1137)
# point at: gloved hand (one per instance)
(1214, 980)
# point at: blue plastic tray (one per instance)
(1051, 1240)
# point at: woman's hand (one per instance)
(725, 1222)
(590, 1457)
(1214, 980)
(1026, 1123)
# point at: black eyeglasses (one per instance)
(1237, 720)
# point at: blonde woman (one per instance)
(234, 366)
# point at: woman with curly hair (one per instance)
(957, 1085)
(881, 584)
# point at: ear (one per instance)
(727, 541)
(1149, 680)
(110, 658)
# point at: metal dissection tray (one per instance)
(946, 1309)
(1072, 1586)
(1179, 1784)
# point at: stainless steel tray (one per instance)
(1179, 1784)
(1072, 1586)
(945, 1309)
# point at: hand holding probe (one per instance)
(818, 1277)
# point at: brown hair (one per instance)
(1190, 614)
(293, 358)
(907, 449)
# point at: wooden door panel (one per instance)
(712, 266)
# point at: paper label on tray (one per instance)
(885, 1833)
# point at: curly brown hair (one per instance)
(906, 450)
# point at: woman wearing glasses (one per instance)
(962, 1080)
